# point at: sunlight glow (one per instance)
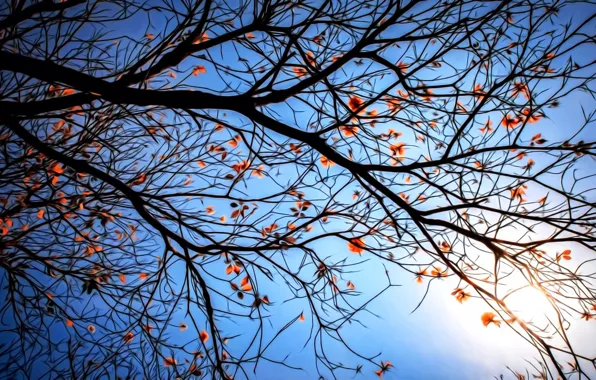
(529, 304)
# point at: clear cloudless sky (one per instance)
(442, 339)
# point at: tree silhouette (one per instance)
(170, 170)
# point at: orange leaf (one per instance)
(327, 163)
(128, 337)
(356, 245)
(202, 38)
(566, 255)
(542, 200)
(488, 318)
(57, 168)
(204, 336)
(139, 179)
(299, 71)
(510, 122)
(355, 103)
(398, 149)
(199, 70)
(349, 131)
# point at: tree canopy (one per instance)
(176, 174)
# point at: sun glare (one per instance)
(529, 304)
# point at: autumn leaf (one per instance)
(299, 71)
(565, 255)
(233, 268)
(518, 193)
(327, 163)
(355, 103)
(199, 70)
(438, 272)
(349, 131)
(139, 179)
(241, 166)
(384, 368)
(204, 336)
(202, 38)
(295, 148)
(531, 117)
(356, 245)
(488, 318)
(398, 150)
(245, 284)
(537, 140)
(487, 127)
(510, 122)
(445, 247)
(542, 200)
(259, 172)
(57, 168)
(193, 370)
(128, 337)
(520, 88)
(460, 295)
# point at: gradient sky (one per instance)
(442, 339)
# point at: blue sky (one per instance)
(441, 339)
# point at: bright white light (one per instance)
(529, 304)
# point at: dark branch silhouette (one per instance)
(167, 169)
